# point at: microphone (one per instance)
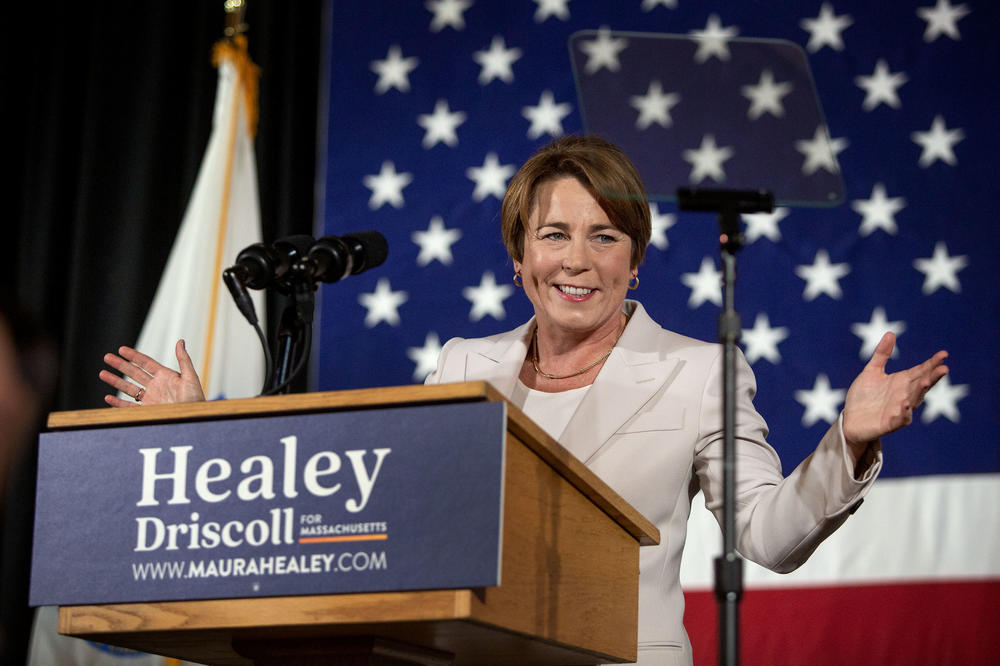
(333, 258)
(294, 265)
(255, 267)
(259, 266)
(299, 258)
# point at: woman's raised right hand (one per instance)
(152, 383)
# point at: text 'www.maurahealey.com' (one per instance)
(268, 565)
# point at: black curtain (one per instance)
(107, 109)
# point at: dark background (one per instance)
(106, 109)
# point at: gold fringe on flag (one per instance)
(235, 50)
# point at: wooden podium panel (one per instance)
(570, 566)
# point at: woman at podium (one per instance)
(638, 404)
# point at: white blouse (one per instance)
(552, 411)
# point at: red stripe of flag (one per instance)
(907, 624)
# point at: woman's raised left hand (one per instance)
(878, 403)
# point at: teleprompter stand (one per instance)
(729, 205)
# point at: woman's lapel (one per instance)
(626, 383)
(500, 363)
(636, 370)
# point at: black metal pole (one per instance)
(729, 565)
(294, 331)
(729, 204)
(289, 334)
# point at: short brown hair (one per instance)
(601, 167)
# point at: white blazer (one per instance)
(651, 427)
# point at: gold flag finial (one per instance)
(236, 11)
(234, 48)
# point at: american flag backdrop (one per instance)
(433, 106)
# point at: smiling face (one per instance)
(576, 264)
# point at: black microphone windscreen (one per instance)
(255, 266)
(374, 247)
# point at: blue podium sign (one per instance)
(360, 501)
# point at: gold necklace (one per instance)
(534, 359)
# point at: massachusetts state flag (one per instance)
(433, 106)
(222, 218)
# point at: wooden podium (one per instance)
(570, 568)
